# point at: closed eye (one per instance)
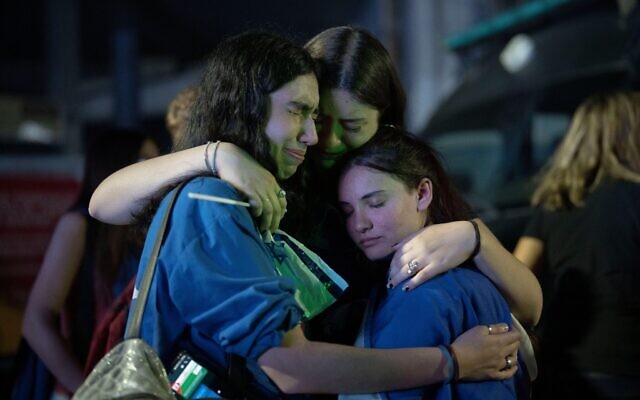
(346, 209)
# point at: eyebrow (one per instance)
(365, 197)
(306, 107)
(352, 120)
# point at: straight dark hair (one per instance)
(409, 159)
(352, 59)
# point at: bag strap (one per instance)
(133, 327)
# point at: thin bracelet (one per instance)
(456, 366)
(450, 365)
(211, 167)
(206, 155)
(476, 249)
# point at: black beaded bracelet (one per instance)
(476, 249)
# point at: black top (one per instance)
(591, 281)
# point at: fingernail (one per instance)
(389, 285)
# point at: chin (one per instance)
(377, 254)
(286, 173)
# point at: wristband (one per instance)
(456, 366)
(451, 369)
(212, 166)
(476, 249)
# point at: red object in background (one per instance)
(30, 206)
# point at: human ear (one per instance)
(425, 194)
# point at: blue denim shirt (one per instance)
(215, 284)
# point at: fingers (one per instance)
(495, 329)
(269, 208)
(273, 209)
(503, 373)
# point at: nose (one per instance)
(333, 136)
(362, 222)
(309, 134)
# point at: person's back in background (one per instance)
(584, 243)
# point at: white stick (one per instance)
(217, 199)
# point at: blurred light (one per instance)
(518, 53)
(32, 131)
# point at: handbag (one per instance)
(132, 369)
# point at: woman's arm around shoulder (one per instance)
(124, 193)
(440, 247)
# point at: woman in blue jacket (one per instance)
(389, 189)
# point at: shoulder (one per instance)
(194, 216)
(210, 185)
(451, 286)
(617, 188)
(193, 197)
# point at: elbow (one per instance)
(288, 369)
(529, 316)
(537, 308)
(291, 385)
(30, 326)
(94, 208)
(286, 379)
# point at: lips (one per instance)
(368, 242)
(296, 154)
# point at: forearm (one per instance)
(125, 192)
(44, 338)
(315, 367)
(516, 282)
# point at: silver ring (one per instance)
(490, 329)
(508, 361)
(282, 194)
(413, 267)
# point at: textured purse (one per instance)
(132, 369)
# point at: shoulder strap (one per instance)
(133, 327)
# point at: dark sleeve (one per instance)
(535, 226)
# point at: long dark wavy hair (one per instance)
(409, 159)
(352, 59)
(233, 104)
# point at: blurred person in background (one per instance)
(86, 265)
(583, 242)
(178, 113)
